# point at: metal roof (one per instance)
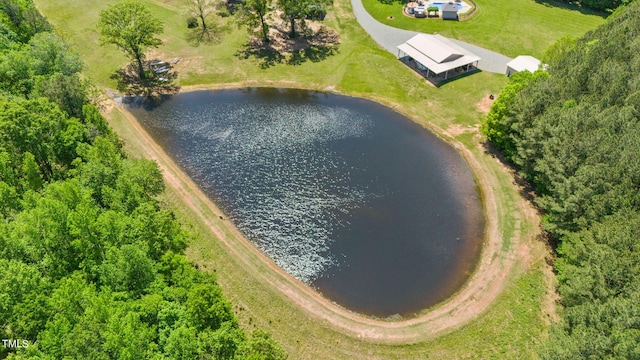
(450, 7)
(437, 53)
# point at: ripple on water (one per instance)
(277, 168)
(370, 211)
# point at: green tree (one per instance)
(561, 47)
(68, 302)
(131, 27)
(69, 92)
(201, 9)
(602, 4)
(177, 270)
(496, 127)
(138, 183)
(96, 124)
(222, 343)
(40, 128)
(45, 233)
(293, 10)
(24, 18)
(253, 14)
(16, 72)
(206, 308)
(50, 55)
(31, 315)
(9, 199)
(17, 281)
(127, 337)
(8, 38)
(32, 179)
(260, 346)
(182, 344)
(10, 180)
(157, 230)
(127, 269)
(22, 66)
(98, 167)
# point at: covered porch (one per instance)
(436, 57)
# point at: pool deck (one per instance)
(463, 9)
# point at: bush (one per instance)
(192, 22)
(224, 12)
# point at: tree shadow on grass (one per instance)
(214, 34)
(313, 46)
(312, 53)
(525, 188)
(527, 192)
(317, 46)
(575, 6)
(266, 55)
(153, 86)
(440, 81)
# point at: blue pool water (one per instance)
(439, 5)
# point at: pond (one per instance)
(367, 207)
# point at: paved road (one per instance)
(389, 38)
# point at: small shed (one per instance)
(449, 11)
(522, 63)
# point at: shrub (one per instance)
(192, 22)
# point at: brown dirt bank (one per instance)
(496, 264)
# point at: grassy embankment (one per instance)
(512, 326)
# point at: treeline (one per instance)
(575, 135)
(91, 266)
(605, 5)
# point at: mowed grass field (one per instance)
(515, 324)
(358, 66)
(510, 27)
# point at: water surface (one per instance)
(350, 197)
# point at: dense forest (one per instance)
(91, 266)
(574, 133)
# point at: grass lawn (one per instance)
(515, 324)
(355, 68)
(512, 28)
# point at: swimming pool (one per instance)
(439, 5)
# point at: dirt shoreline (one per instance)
(481, 289)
